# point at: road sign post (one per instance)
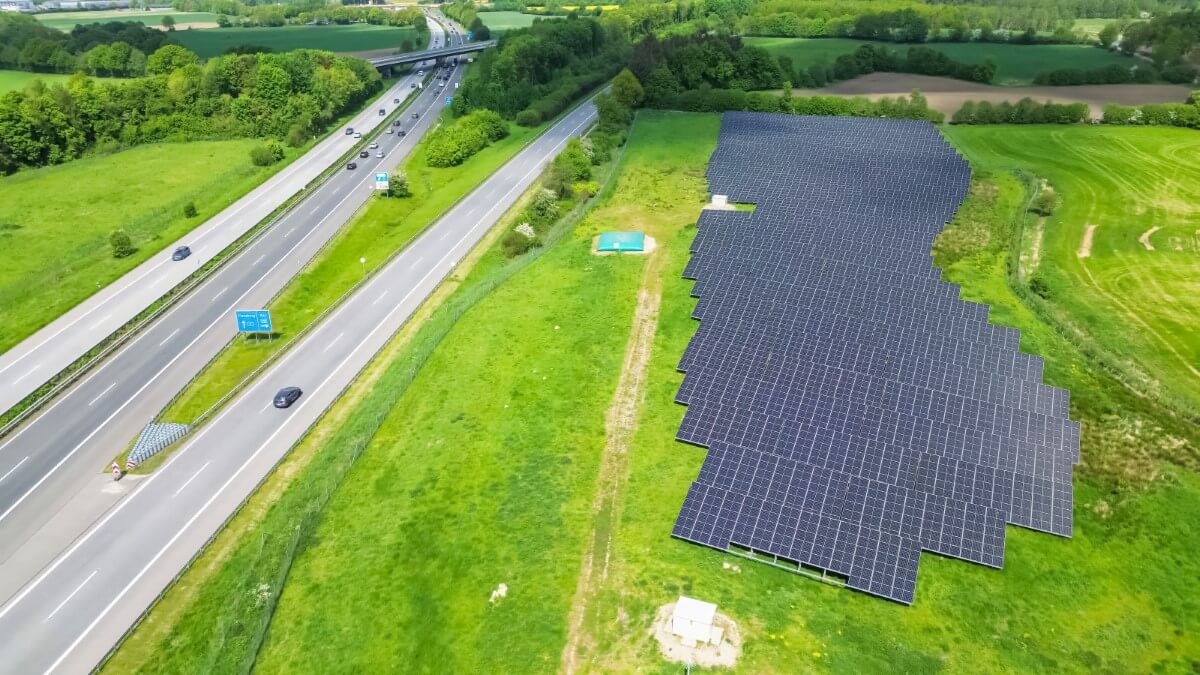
(449, 100)
(254, 321)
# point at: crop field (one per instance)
(502, 21)
(1015, 64)
(56, 250)
(67, 20)
(1134, 291)
(11, 80)
(350, 38)
(496, 466)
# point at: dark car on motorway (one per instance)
(415, 116)
(352, 166)
(396, 123)
(287, 396)
(349, 131)
(364, 154)
(181, 253)
(382, 112)
(395, 100)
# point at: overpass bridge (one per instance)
(382, 62)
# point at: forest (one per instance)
(293, 96)
(112, 48)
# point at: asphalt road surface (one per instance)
(73, 612)
(30, 364)
(44, 464)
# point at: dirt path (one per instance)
(947, 95)
(619, 424)
(1085, 247)
(1029, 262)
(1144, 240)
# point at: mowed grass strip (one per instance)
(381, 228)
(55, 221)
(1015, 64)
(350, 38)
(1139, 305)
(1059, 605)
(15, 80)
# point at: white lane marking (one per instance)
(259, 259)
(28, 373)
(150, 381)
(288, 233)
(381, 296)
(10, 471)
(168, 338)
(101, 395)
(219, 294)
(68, 598)
(99, 323)
(189, 481)
(334, 341)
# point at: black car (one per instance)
(287, 396)
(382, 112)
(395, 100)
(181, 253)
(400, 132)
(352, 166)
(364, 154)
(396, 123)
(349, 131)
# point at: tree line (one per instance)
(290, 96)
(1168, 39)
(111, 48)
(534, 73)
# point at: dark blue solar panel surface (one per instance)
(856, 411)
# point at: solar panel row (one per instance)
(856, 411)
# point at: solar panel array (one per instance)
(855, 410)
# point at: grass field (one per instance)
(351, 38)
(67, 20)
(17, 79)
(1139, 305)
(1015, 64)
(55, 221)
(499, 22)
(483, 470)
(385, 225)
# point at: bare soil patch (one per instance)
(1085, 247)
(947, 95)
(196, 25)
(1029, 262)
(620, 424)
(1144, 240)
(723, 655)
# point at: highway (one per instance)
(44, 354)
(79, 606)
(51, 459)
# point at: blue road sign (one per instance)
(470, 34)
(253, 320)
(449, 100)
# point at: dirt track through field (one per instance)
(619, 425)
(1085, 247)
(947, 95)
(1144, 240)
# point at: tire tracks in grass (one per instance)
(620, 424)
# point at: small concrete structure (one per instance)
(720, 203)
(692, 622)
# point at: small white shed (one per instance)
(692, 622)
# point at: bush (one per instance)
(266, 154)
(515, 243)
(122, 245)
(528, 118)
(1044, 203)
(453, 144)
(189, 210)
(397, 186)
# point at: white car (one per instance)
(358, 134)
(389, 131)
(379, 155)
(373, 145)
